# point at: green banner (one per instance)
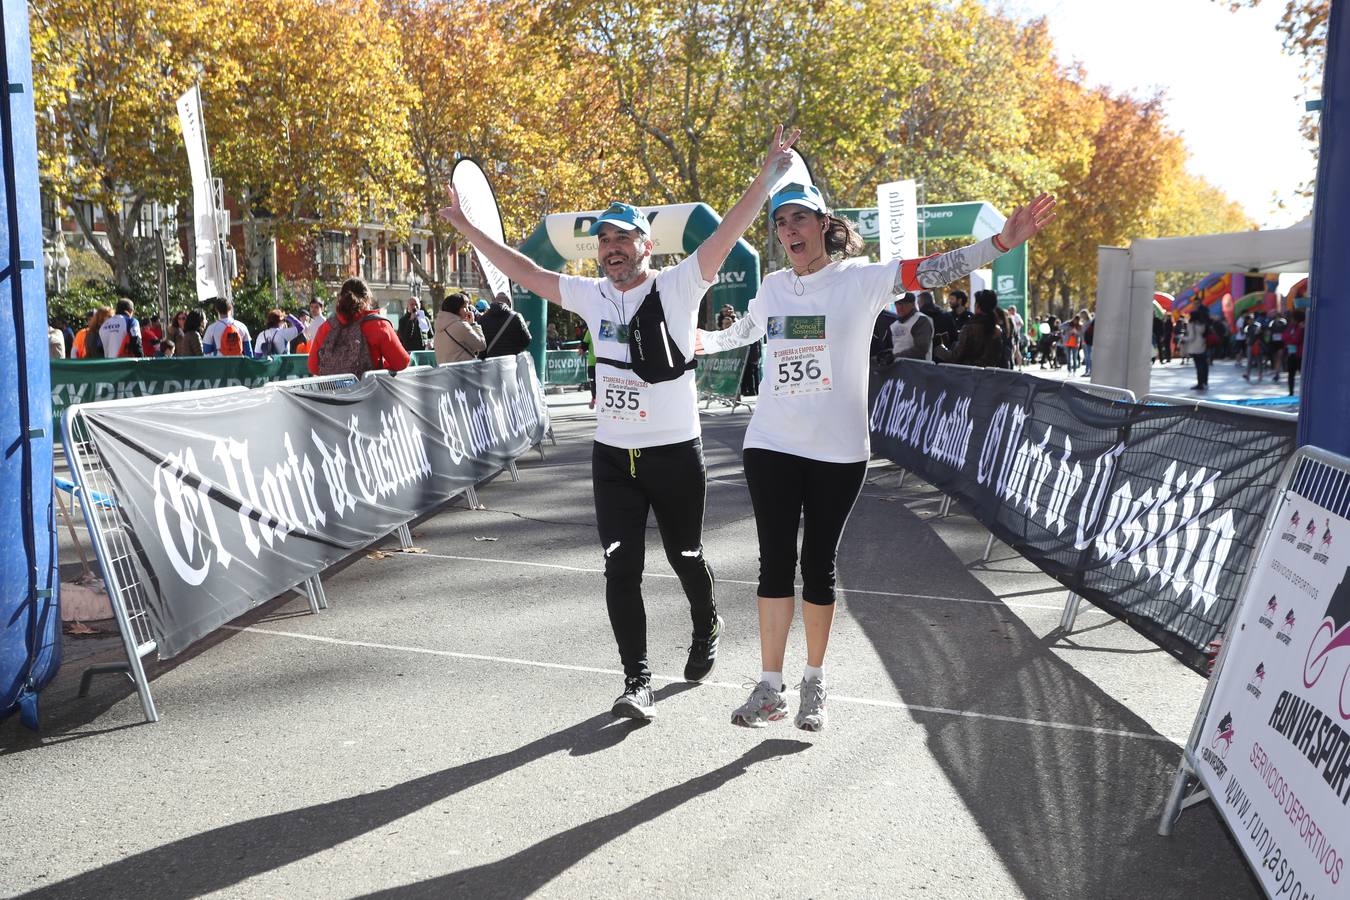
(564, 367)
(82, 381)
(719, 374)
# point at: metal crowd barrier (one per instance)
(123, 575)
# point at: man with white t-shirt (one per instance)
(648, 453)
(121, 333)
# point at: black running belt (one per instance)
(620, 364)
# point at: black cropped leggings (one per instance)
(786, 491)
(670, 481)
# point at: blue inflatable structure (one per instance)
(30, 624)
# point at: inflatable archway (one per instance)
(973, 219)
(30, 635)
(676, 228)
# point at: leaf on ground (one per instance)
(79, 628)
(378, 554)
(413, 550)
(485, 539)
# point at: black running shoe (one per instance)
(703, 654)
(636, 700)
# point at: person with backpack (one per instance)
(648, 452)
(458, 336)
(504, 329)
(226, 336)
(275, 339)
(807, 446)
(120, 333)
(356, 338)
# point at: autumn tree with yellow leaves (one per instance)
(328, 113)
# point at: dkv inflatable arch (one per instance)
(676, 229)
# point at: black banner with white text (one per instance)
(1150, 512)
(231, 500)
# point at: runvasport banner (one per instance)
(1150, 512)
(231, 500)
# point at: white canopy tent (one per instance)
(1122, 338)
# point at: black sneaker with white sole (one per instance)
(636, 700)
(703, 654)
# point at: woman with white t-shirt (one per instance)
(807, 445)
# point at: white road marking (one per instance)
(539, 565)
(853, 701)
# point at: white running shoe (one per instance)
(764, 706)
(811, 715)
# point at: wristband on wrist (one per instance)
(998, 245)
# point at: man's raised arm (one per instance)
(714, 251)
(515, 265)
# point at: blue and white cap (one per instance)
(621, 215)
(807, 195)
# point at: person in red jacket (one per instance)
(356, 338)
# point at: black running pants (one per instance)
(786, 491)
(671, 482)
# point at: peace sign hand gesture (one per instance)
(1027, 220)
(779, 158)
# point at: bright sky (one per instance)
(1231, 92)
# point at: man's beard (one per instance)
(627, 273)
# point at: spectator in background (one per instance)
(1255, 349)
(750, 378)
(1046, 341)
(1293, 345)
(189, 340)
(959, 301)
(504, 329)
(1275, 346)
(945, 331)
(458, 336)
(80, 347)
(589, 344)
(153, 337)
(93, 344)
(1168, 335)
(912, 331)
(413, 326)
(315, 320)
(275, 338)
(120, 333)
(226, 336)
(1073, 339)
(551, 339)
(174, 333)
(1017, 332)
(1196, 346)
(479, 309)
(1089, 332)
(981, 342)
(56, 342)
(300, 344)
(356, 338)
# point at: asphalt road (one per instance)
(443, 730)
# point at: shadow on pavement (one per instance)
(523, 873)
(1070, 814)
(222, 857)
